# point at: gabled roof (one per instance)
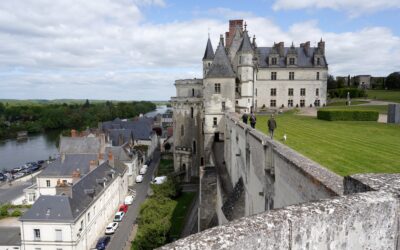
(209, 53)
(246, 46)
(80, 145)
(71, 162)
(120, 136)
(221, 66)
(141, 127)
(50, 208)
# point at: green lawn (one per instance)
(166, 167)
(382, 109)
(384, 95)
(343, 147)
(343, 103)
(178, 217)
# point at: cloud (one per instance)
(107, 49)
(352, 7)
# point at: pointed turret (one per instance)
(221, 66)
(246, 44)
(209, 53)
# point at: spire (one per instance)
(209, 53)
(246, 44)
(221, 66)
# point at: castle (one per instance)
(242, 77)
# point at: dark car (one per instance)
(2, 177)
(102, 243)
(34, 168)
(40, 162)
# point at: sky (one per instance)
(136, 49)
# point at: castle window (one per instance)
(317, 75)
(223, 106)
(291, 75)
(318, 61)
(290, 103)
(290, 92)
(191, 112)
(182, 130)
(302, 92)
(291, 61)
(302, 103)
(317, 92)
(273, 103)
(36, 234)
(217, 88)
(47, 183)
(194, 147)
(317, 103)
(273, 60)
(192, 92)
(273, 92)
(273, 75)
(215, 121)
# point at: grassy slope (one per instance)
(178, 217)
(384, 95)
(382, 109)
(344, 147)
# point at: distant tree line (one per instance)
(391, 82)
(38, 118)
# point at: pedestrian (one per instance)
(272, 126)
(253, 120)
(245, 118)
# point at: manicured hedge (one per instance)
(347, 115)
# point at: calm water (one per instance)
(15, 153)
(159, 110)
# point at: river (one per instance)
(15, 153)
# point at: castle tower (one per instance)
(208, 57)
(219, 97)
(245, 71)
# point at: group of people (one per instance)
(271, 122)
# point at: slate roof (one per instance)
(246, 46)
(209, 53)
(70, 163)
(80, 145)
(125, 135)
(10, 236)
(142, 127)
(119, 153)
(303, 60)
(59, 208)
(221, 66)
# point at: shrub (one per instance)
(16, 213)
(347, 115)
(4, 211)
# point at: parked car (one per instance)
(139, 178)
(123, 208)
(16, 170)
(41, 162)
(111, 228)
(128, 200)
(159, 180)
(143, 170)
(18, 175)
(118, 216)
(102, 243)
(34, 168)
(3, 178)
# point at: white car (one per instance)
(111, 228)
(128, 200)
(143, 170)
(159, 180)
(139, 178)
(118, 216)
(18, 175)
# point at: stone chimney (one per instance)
(254, 41)
(321, 47)
(230, 34)
(76, 175)
(281, 48)
(101, 158)
(74, 133)
(92, 165)
(306, 47)
(110, 159)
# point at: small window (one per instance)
(273, 61)
(182, 130)
(317, 92)
(273, 92)
(290, 92)
(290, 103)
(217, 88)
(318, 61)
(291, 75)
(273, 103)
(88, 216)
(302, 92)
(302, 103)
(47, 183)
(191, 112)
(215, 121)
(36, 234)
(58, 235)
(223, 106)
(194, 147)
(273, 75)
(192, 92)
(291, 61)
(317, 75)
(317, 103)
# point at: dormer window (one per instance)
(291, 61)
(318, 61)
(274, 61)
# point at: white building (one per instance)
(77, 216)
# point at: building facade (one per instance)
(239, 76)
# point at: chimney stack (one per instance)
(281, 49)
(321, 47)
(74, 133)
(110, 159)
(76, 176)
(92, 165)
(306, 47)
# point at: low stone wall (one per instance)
(361, 221)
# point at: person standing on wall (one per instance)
(272, 126)
(245, 117)
(253, 120)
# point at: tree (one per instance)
(340, 83)
(393, 81)
(332, 84)
(87, 104)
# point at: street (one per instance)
(120, 239)
(9, 193)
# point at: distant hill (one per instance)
(61, 101)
